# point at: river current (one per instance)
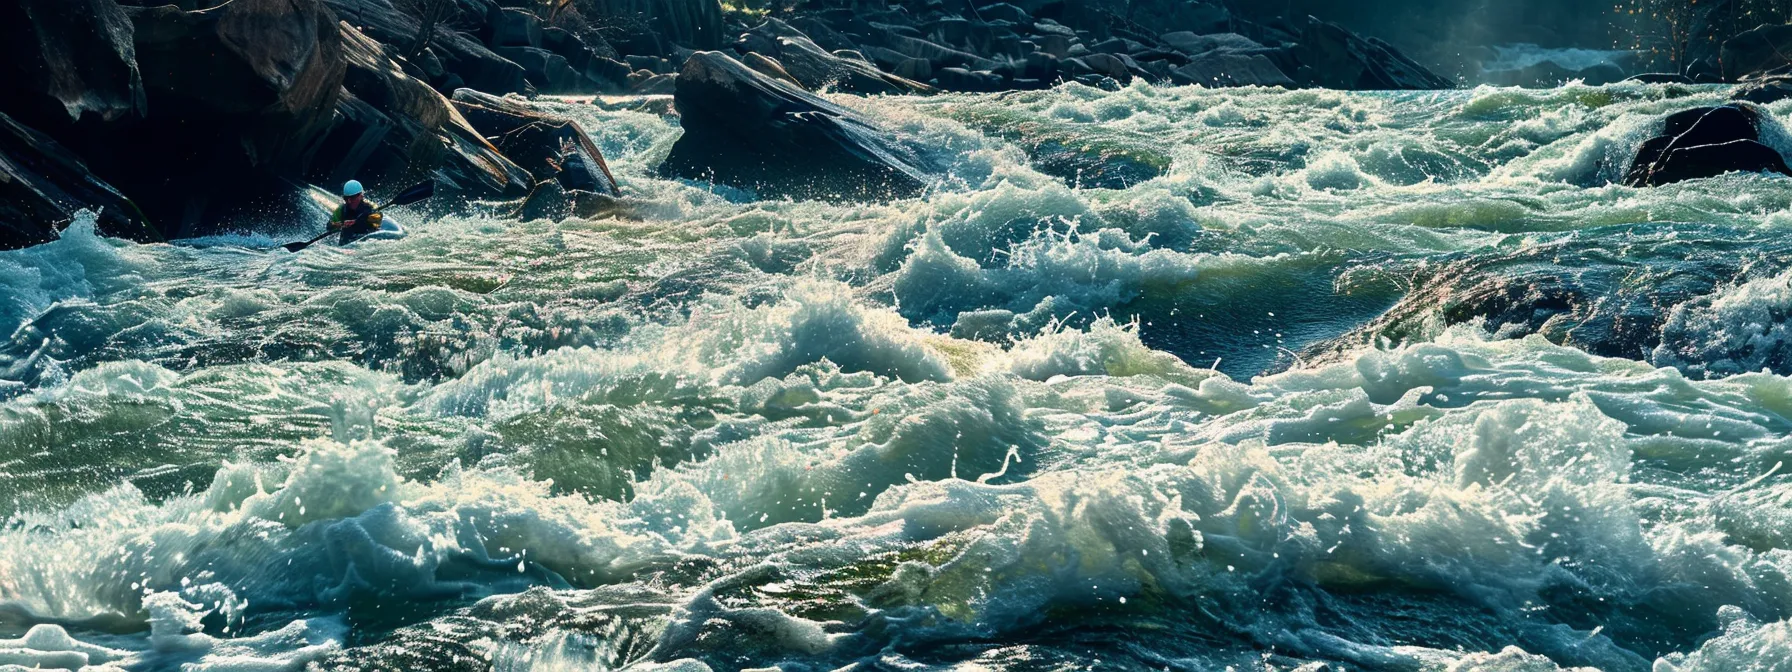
(1361, 381)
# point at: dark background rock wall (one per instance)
(1454, 36)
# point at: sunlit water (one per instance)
(1371, 381)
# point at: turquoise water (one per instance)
(1361, 381)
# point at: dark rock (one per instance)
(548, 147)
(1118, 45)
(940, 56)
(1191, 43)
(1058, 46)
(888, 59)
(513, 27)
(1041, 66)
(548, 201)
(1119, 67)
(1174, 59)
(461, 57)
(823, 34)
(242, 93)
(814, 68)
(1009, 46)
(974, 81)
(653, 84)
(649, 63)
(550, 72)
(43, 184)
(1220, 69)
(1050, 27)
(1003, 11)
(953, 30)
(1339, 59)
(1077, 67)
(693, 23)
(61, 60)
(1767, 49)
(890, 29)
(768, 66)
(1707, 142)
(391, 127)
(750, 131)
(1179, 15)
(603, 73)
(1765, 91)
(916, 69)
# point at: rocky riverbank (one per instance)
(202, 116)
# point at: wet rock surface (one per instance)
(747, 130)
(258, 100)
(1707, 142)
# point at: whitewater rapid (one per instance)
(1361, 381)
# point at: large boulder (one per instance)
(392, 129)
(465, 59)
(750, 131)
(61, 60)
(551, 148)
(816, 68)
(241, 94)
(42, 185)
(1332, 57)
(1707, 142)
(1222, 68)
(1764, 50)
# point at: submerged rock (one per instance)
(747, 130)
(1707, 142)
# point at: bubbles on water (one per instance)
(752, 434)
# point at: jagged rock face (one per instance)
(697, 23)
(747, 130)
(276, 60)
(1707, 142)
(1339, 59)
(239, 95)
(1764, 50)
(814, 68)
(42, 185)
(61, 60)
(550, 148)
(464, 61)
(393, 129)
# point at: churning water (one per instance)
(1360, 381)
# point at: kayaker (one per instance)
(355, 218)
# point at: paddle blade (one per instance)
(294, 247)
(413, 195)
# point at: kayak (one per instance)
(389, 230)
